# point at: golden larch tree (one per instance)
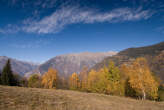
(74, 82)
(49, 79)
(93, 78)
(83, 78)
(112, 74)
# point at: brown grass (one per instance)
(19, 98)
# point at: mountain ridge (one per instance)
(66, 64)
(153, 53)
(18, 66)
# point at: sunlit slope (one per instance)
(18, 98)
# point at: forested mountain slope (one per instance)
(154, 55)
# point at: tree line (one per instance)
(132, 80)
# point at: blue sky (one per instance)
(37, 30)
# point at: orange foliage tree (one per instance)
(49, 79)
(74, 82)
(93, 79)
(142, 80)
(83, 78)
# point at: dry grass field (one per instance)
(19, 98)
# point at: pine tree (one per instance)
(129, 91)
(7, 75)
(0, 78)
(114, 75)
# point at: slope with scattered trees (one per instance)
(154, 55)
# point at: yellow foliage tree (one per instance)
(127, 89)
(49, 79)
(93, 78)
(102, 82)
(83, 78)
(74, 83)
(141, 79)
(112, 74)
(106, 80)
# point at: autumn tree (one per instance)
(129, 91)
(93, 78)
(106, 80)
(74, 82)
(124, 80)
(113, 77)
(49, 79)
(141, 79)
(83, 76)
(7, 76)
(34, 81)
(102, 81)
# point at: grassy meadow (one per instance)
(19, 98)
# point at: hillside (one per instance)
(19, 67)
(152, 50)
(18, 98)
(154, 54)
(69, 63)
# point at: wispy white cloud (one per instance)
(10, 29)
(72, 15)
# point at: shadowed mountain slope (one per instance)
(154, 54)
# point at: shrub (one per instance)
(34, 81)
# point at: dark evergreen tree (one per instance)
(17, 79)
(129, 91)
(0, 78)
(161, 93)
(24, 82)
(7, 76)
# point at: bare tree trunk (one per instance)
(143, 95)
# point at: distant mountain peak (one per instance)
(74, 62)
(91, 54)
(20, 67)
